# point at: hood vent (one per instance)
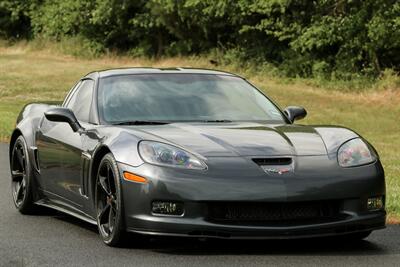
(272, 161)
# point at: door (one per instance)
(60, 150)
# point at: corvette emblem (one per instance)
(279, 171)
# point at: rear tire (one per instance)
(108, 202)
(22, 177)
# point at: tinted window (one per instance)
(70, 93)
(81, 100)
(183, 97)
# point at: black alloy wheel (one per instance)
(21, 177)
(108, 202)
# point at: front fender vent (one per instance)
(35, 154)
(272, 161)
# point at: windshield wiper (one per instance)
(164, 122)
(141, 123)
(216, 121)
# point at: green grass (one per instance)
(28, 75)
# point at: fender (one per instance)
(27, 122)
(122, 146)
(335, 136)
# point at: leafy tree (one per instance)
(14, 18)
(320, 38)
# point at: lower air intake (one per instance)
(274, 213)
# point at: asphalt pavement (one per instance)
(55, 239)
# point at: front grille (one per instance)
(274, 213)
(272, 161)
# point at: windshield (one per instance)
(181, 98)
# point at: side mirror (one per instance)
(63, 115)
(295, 113)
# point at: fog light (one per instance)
(375, 203)
(167, 208)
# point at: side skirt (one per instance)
(69, 210)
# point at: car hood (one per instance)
(249, 139)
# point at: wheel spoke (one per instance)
(104, 184)
(104, 214)
(114, 204)
(17, 175)
(20, 191)
(110, 177)
(111, 220)
(16, 188)
(20, 158)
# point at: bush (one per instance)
(324, 39)
(14, 19)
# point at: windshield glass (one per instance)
(182, 97)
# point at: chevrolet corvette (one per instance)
(192, 152)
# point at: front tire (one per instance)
(108, 202)
(22, 177)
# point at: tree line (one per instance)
(332, 38)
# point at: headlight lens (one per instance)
(354, 153)
(167, 155)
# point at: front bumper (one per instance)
(199, 228)
(233, 181)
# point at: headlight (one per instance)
(166, 155)
(354, 153)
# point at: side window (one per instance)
(81, 101)
(70, 93)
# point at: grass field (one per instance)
(33, 75)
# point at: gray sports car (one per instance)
(192, 152)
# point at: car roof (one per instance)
(128, 71)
